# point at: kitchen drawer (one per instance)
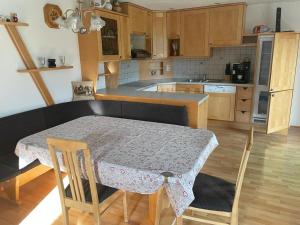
(189, 88)
(243, 105)
(166, 88)
(244, 92)
(242, 116)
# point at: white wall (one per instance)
(17, 91)
(265, 14)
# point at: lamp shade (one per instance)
(61, 22)
(96, 23)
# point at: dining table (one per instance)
(132, 155)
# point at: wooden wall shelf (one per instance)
(14, 24)
(45, 69)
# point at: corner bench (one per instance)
(15, 127)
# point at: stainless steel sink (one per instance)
(194, 80)
(204, 81)
(213, 81)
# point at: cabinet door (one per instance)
(194, 33)
(109, 38)
(226, 25)
(138, 20)
(125, 38)
(159, 45)
(221, 106)
(166, 88)
(173, 25)
(149, 25)
(284, 61)
(187, 88)
(279, 111)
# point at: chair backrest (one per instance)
(70, 150)
(243, 166)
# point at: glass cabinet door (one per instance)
(265, 49)
(109, 37)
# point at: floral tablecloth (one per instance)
(131, 155)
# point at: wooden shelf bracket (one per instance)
(29, 63)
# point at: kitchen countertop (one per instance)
(135, 89)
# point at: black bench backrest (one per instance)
(15, 127)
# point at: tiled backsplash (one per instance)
(191, 68)
(129, 72)
(214, 67)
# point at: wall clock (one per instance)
(51, 13)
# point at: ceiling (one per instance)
(179, 4)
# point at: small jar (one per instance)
(14, 17)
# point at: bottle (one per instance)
(228, 72)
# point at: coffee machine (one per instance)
(241, 72)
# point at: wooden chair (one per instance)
(82, 194)
(215, 196)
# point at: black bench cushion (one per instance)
(103, 191)
(155, 113)
(213, 193)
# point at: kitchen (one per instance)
(203, 49)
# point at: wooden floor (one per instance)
(270, 195)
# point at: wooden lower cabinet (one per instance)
(244, 96)
(221, 106)
(166, 88)
(244, 105)
(187, 88)
(244, 92)
(242, 116)
(184, 88)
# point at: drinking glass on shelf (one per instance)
(42, 61)
(62, 60)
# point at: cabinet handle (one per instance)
(245, 88)
(271, 89)
(244, 100)
(273, 95)
(243, 112)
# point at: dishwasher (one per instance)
(221, 102)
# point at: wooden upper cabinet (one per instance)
(149, 25)
(109, 38)
(195, 33)
(226, 25)
(125, 38)
(139, 19)
(159, 37)
(284, 61)
(173, 24)
(280, 104)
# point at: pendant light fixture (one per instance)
(72, 19)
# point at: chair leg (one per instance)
(234, 219)
(179, 220)
(65, 212)
(125, 207)
(97, 218)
